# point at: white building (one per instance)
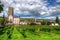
(16, 20)
(55, 24)
(12, 19)
(23, 23)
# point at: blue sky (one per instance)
(53, 2)
(33, 8)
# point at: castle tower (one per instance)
(10, 11)
(11, 18)
(10, 15)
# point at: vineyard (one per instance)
(30, 32)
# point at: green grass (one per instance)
(28, 32)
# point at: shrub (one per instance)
(44, 22)
(33, 23)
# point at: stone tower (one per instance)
(10, 15)
(10, 11)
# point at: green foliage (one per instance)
(27, 19)
(28, 32)
(3, 37)
(2, 21)
(57, 20)
(1, 7)
(44, 22)
(32, 23)
(16, 35)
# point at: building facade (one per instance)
(16, 20)
(12, 19)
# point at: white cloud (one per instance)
(25, 5)
(35, 7)
(54, 10)
(51, 17)
(58, 0)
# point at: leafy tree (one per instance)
(48, 23)
(44, 22)
(57, 20)
(3, 19)
(1, 7)
(32, 23)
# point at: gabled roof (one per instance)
(16, 16)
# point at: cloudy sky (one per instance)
(33, 8)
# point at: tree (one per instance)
(57, 20)
(1, 7)
(48, 23)
(3, 21)
(44, 22)
(3, 18)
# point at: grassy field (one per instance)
(30, 32)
